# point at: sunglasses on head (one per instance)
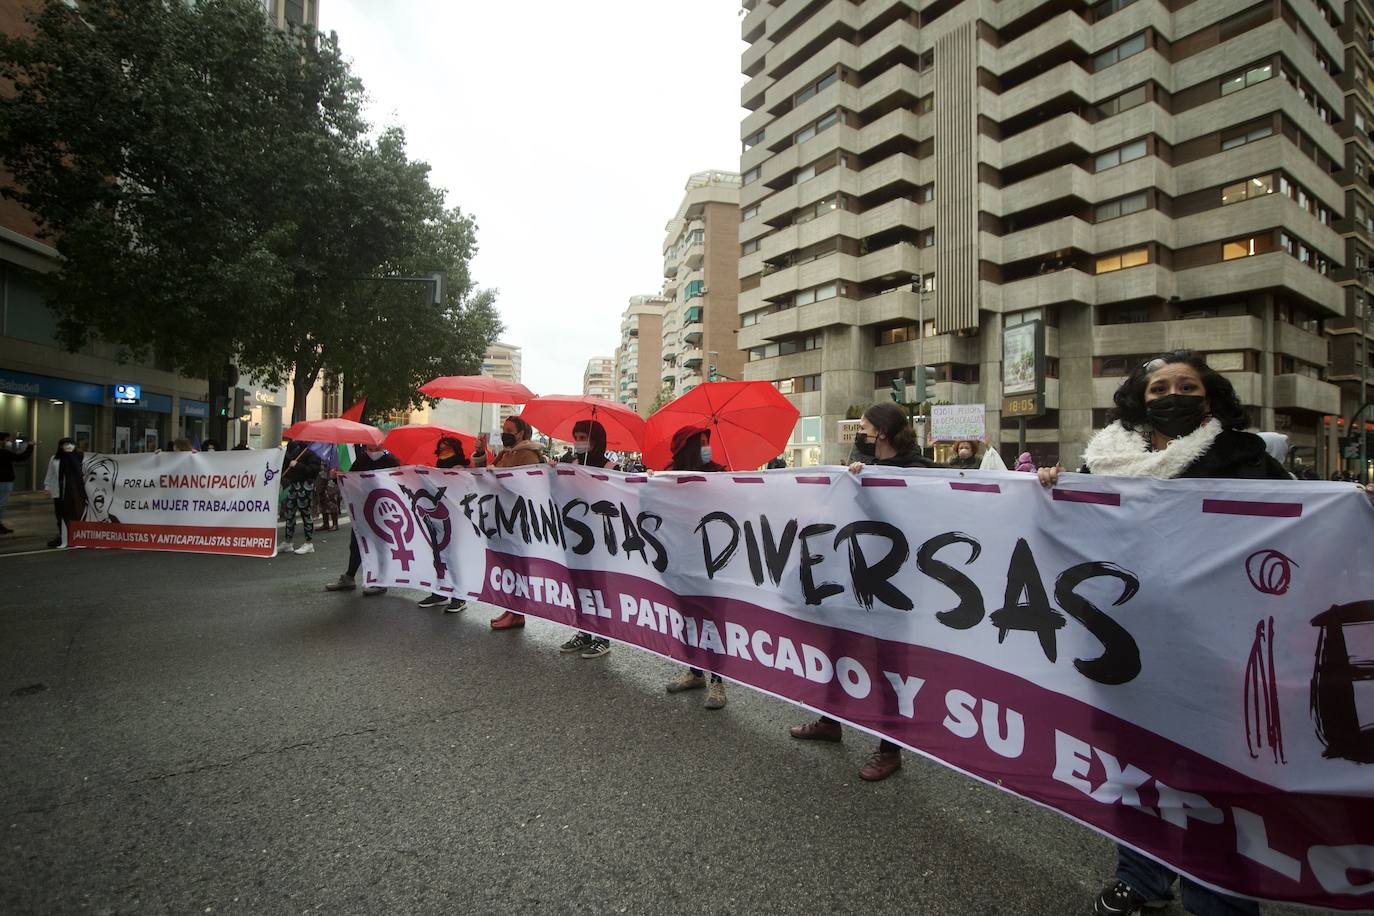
(1159, 362)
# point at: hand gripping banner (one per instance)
(1186, 666)
(196, 502)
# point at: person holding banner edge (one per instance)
(691, 447)
(516, 451)
(885, 439)
(589, 450)
(365, 458)
(448, 454)
(1175, 417)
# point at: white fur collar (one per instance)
(1122, 453)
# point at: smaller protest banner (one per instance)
(953, 422)
(196, 502)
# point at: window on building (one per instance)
(1122, 260)
(1107, 7)
(1127, 100)
(750, 176)
(1227, 361)
(1248, 77)
(1113, 55)
(928, 283)
(900, 334)
(1244, 248)
(749, 247)
(753, 139)
(749, 214)
(1115, 157)
(1243, 137)
(1258, 186)
(926, 193)
(804, 174)
(1123, 206)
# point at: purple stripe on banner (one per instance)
(422, 470)
(533, 473)
(423, 584)
(566, 472)
(881, 482)
(975, 487)
(636, 480)
(504, 474)
(747, 479)
(693, 479)
(601, 476)
(1248, 507)
(1086, 496)
(824, 480)
(446, 588)
(367, 475)
(402, 581)
(474, 594)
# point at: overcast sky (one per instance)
(568, 130)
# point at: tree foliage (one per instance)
(215, 194)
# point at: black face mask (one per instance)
(508, 439)
(864, 445)
(1176, 414)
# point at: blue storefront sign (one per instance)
(57, 389)
(194, 408)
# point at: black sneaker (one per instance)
(579, 643)
(455, 605)
(433, 601)
(1118, 899)
(598, 648)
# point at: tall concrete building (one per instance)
(638, 356)
(293, 12)
(918, 177)
(598, 379)
(701, 284)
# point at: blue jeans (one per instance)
(1155, 882)
(5, 489)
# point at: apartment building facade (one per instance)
(639, 353)
(1137, 176)
(701, 285)
(598, 379)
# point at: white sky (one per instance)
(568, 130)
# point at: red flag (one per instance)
(354, 413)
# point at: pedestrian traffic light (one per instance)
(241, 405)
(221, 406)
(898, 385)
(925, 376)
(712, 375)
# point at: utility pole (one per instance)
(1363, 400)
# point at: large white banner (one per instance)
(198, 502)
(1185, 665)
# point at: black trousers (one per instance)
(355, 557)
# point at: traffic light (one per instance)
(241, 406)
(221, 406)
(712, 375)
(898, 385)
(925, 375)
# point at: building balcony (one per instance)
(692, 333)
(1242, 332)
(694, 255)
(1301, 392)
(692, 358)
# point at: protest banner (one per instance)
(957, 422)
(1183, 665)
(194, 502)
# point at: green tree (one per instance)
(665, 394)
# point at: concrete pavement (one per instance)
(212, 734)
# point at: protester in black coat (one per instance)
(65, 485)
(298, 480)
(364, 459)
(448, 454)
(9, 457)
(885, 439)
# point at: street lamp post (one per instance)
(1363, 400)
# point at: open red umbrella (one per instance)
(414, 443)
(479, 389)
(336, 430)
(750, 424)
(555, 414)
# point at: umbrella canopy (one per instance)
(555, 414)
(414, 443)
(750, 424)
(337, 430)
(477, 388)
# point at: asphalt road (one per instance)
(220, 735)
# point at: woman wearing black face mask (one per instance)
(886, 439)
(589, 450)
(65, 485)
(1175, 417)
(691, 447)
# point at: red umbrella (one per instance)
(750, 424)
(337, 430)
(477, 388)
(414, 443)
(555, 414)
